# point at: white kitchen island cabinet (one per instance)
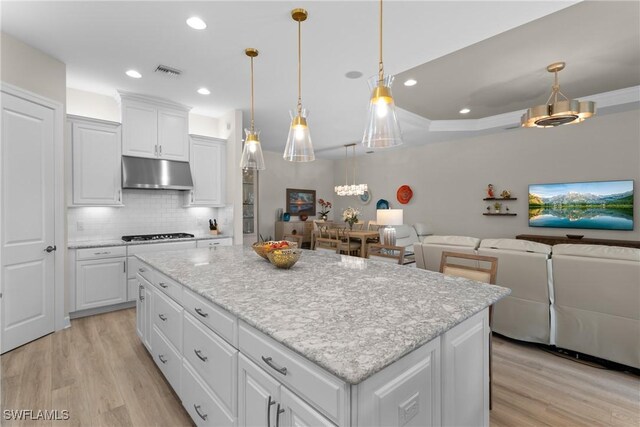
(380, 345)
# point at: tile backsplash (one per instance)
(145, 212)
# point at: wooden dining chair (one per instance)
(386, 253)
(293, 238)
(479, 274)
(346, 245)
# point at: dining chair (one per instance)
(326, 244)
(347, 245)
(373, 226)
(386, 253)
(293, 238)
(479, 274)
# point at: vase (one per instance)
(350, 226)
(324, 217)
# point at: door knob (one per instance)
(50, 249)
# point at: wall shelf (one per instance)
(498, 214)
(500, 198)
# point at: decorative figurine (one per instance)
(488, 208)
(497, 206)
(506, 194)
(490, 194)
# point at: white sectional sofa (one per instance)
(524, 267)
(429, 251)
(597, 301)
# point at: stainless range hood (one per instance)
(139, 172)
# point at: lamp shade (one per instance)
(389, 217)
(382, 129)
(252, 158)
(299, 147)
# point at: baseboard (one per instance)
(67, 322)
(100, 310)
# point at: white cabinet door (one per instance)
(207, 161)
(258, 395)
(96, 164)
(292, 411)
(139, 129)
(465, 373)
(100, 282)
(173, 129)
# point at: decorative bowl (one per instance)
(263, 248)
(284, 258)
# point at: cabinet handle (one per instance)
(141, 270)
(200, 356)
(124, 266)
(160, 150)
(140, 296)
(268, 361)
(202, 313)
(163, 285)
(162, 359)
(120, 196)
(192, 197)
(155, 150)
(278, 412)
(269, 404)
(162, 317)
(102, 253)
(197, 408)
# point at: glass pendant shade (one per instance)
(299, 147)
(382, 128)
(252, 158)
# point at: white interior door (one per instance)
(27, 194)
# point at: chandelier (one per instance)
(353, 189)
(561, 111)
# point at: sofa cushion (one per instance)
(422, 229)
(471, 242)
(516, 245)
(598, 251)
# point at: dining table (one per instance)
(360, 235)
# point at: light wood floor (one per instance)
(101, 373)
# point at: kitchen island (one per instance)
(335, 340)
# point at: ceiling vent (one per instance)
(171, 72)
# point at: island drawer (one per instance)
(203, 407)
(143, 270)
(168, 286)
(221, 322)
(166, 357)
(95, 253)
(167, 316)
(316, 386)
(210, 243)
(212, 358)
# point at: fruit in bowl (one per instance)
(284, 258)
(263, 248)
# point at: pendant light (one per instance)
(382, 129)
(561, 111)
(346, 189)
(299, 147)
(252, 152)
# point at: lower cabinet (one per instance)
(264, 401)
(100, 282)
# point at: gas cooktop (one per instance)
(145, 237)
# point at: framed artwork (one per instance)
(301, 202)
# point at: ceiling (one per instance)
(98, 41)
(599, 41)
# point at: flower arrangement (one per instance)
(350, 216)
(326, 205)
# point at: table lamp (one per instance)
(389, 217)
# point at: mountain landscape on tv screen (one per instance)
(581, 209)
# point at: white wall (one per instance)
(145, 212)
(280, 175)
(230, 128)
(449, 179)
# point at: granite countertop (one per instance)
(349, 315)
(83, 244)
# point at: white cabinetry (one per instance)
(96, 168)
(207, 159)
(101, 277)
(153, 127)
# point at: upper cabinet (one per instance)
(96, 176)
(153, 127)
(207, 161)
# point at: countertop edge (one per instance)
(111, 243)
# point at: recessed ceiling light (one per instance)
(196, 23)
(134, 74)
(353, 75)
(204, 91)
(465, 111)
(410, 82)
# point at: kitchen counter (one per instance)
(351, 316)
(83, 244)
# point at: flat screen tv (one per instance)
(604, 205)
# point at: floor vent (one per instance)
(169, 71)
